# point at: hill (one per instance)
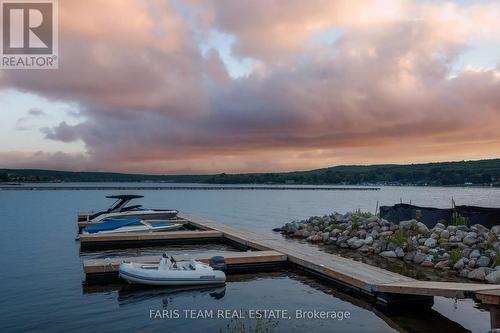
(482, 172)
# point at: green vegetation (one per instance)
(418, 214)
(457, 219)
(455, 255)
(483, 172)
(398, 238)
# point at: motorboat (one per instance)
(120, 210)
(170, 272)
(131, 225)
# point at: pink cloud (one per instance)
(153, 102)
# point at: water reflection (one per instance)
(130, 294)
(402, 319)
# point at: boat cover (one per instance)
(110, 225)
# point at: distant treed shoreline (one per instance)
(482, 172)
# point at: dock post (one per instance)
(494, 316)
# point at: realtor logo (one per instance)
(29, 34)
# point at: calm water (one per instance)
(41, 275)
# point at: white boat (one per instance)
(131, 225)
(120, 210)
(171, 273)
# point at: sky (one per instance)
(211, 86)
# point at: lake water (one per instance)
(41, 275)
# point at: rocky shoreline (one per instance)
(471, 252)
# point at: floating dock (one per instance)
(384, 286)
(106, 269)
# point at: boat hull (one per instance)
(145, 215)
(155, 277)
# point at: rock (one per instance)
(445, 234)
(483, 261)
(493, 277)
(386, 233)
(430, 242)
(302, 233)
(406, 225)
(480, 229)
(355, 243)
(422, 229)
(427, 263)
(470, 239)
(399, 252)
(375, 234)
(442, 264)
(455, 239)
(388, 254)
(464, 272)
(439, 226)
(393, 227)
(409, 256)
(477, 274)
(365, 248)
(335, 232)
(474, 254)
(379, 246)
(362, 234)
(391, 247)
(459, 265)
(452, 229)
(496, 230)
(325, 236)
(419, 257)
(341, 240)
(368, 240)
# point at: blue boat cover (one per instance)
(110, 225)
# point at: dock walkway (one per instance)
(272, 248)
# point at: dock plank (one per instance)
(366, 277)
(144, 236)
(93, 266)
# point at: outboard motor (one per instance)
(218, 263)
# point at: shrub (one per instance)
(457, 219)
(455, 255)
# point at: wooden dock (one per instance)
(385, 286)
(140, 239)
(99, 269)
(363, 277)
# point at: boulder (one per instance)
(379, 246)
(399, 252)
(493, 277)
(495, 230)
(439, 226)
(406, 225)
(409, 256)
(445, 234)
(474, 254)
(368, 240)
(459, 265)
(480, 229)
(388, 254)
(442, 264)
(427, 263)
(303, 233)
(419, 257)
(355, 243)
(483, 261)
(422, 229)
(464, 272)
(470, 239)
(430, 242)
(478, 274)
(365, 249)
